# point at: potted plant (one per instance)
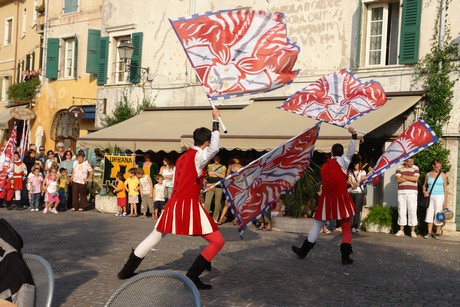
(23, 91)
(379, 219)
(40, 9)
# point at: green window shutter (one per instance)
(92, 54)
(410, 31)
(70, 6)
(52, 58)
(75, 56)
(103, 61)
(135, 70)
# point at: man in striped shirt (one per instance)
(407, 176)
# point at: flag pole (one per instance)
(220, 119)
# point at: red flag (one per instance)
(6, 157)
(338, 98)
(238, 52)
(254, 187)
(414, 139)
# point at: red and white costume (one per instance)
(19, 171)
(335, 203)
(184, 214)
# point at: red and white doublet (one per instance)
(184, 214)
(334, 203)
(19, 171)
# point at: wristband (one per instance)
(215, 126)
(354, 136)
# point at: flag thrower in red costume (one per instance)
(184, 214)
(334, 203)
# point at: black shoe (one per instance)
(304, 249)
(195, 271)
(130, 266)
(346, 250)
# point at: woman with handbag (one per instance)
(436, 184)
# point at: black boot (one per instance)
(195, 271)
(304, 249)
(130, 266)
(8, 205)
(346, 250)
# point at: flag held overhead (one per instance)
(237, 52)
(338, 98)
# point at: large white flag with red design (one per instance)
(238, 52)
(252, 189)
(6, 157)
(338, 98)
(414, 139)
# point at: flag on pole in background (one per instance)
(7, 156)
(238, 52)
(252, 189)
(338, 98)
(414, 139)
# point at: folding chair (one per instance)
(156, 288)
(43, 278)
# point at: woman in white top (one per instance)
(167, 171)
(355, 176)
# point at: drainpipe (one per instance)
(442, 21)
(15, 72)
(45, 40)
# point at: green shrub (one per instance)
(302, 201)
(379, 215)
(23, 91)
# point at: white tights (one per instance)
(315, 230)
(145, 246)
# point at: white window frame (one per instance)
(384, 34)
(121, 76)
(24, 23)
(69, 42)
(5, 84)
(9, 25)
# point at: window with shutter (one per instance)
(70, 6)
(52, 58)
(135, 69)
(103, 61)
(92, 54)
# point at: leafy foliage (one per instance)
(124, 109)
(23, 91)
(379, 215)
(438, 73)
(303, 198)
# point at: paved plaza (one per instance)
(86, 249)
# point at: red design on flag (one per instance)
(338, 98)
(414, 139)
(6, 157)
(238, 52)
(254, 187)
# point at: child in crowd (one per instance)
(34, 185)
(159, 194)
(120, 190)
(50, 187)
(132, 187)
(146, 190)
(62, 189)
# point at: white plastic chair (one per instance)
(43, 278)
(156, 288)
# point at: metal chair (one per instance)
(43, 278)
(156, 288)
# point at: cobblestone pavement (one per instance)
(86, 249)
